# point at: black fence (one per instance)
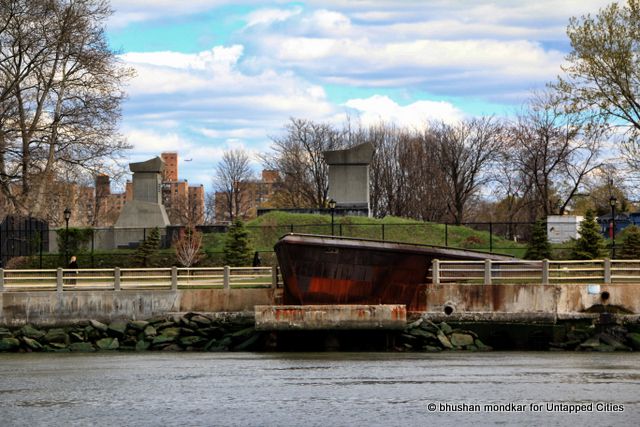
(22, 236)
(33, 242)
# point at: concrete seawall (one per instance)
(534, 299)
(521, 302)
(54, 308)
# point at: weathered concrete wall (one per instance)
(318, 317)
(510, 298)
(17, 308)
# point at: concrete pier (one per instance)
(324, 317)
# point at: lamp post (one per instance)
(332, 206)
(612, 203)
(67, 216)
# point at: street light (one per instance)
(612, 202)
(67, 216)
(332, 206)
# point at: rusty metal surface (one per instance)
(330, 317)
(337, 270)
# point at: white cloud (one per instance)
(378, 108)
(269, 16)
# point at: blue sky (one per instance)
(214, 75)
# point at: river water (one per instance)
(319, 389)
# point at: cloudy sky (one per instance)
(214, 75)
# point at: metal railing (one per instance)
(172, 278)
(545, 272)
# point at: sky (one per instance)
(214, 75)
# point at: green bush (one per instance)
(539, 246)
(590, 244)
(630, 243)
(237, 249)
(73, 242)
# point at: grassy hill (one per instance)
(267, 229)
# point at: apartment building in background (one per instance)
(252, 195)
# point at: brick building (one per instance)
(252, 195)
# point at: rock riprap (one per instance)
(425, 335)
(188, 332)
(610, 338)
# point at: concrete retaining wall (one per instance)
(47, 308)
(550, 299)
(522, 301)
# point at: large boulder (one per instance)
(31, 332)
(98, 325)
(9, 344)
(117, 328)
(57, 335)
(613, 342)
(445, 328)
(150, 331)
(191, 340)
(32, 343)
(444, 340)
(201, 320)
(163, 339)
(108, 343)
(138, 325)
(461, 339)
(82, 347)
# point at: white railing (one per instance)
(545, 272)
(137, 278)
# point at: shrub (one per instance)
(148, 248)
(590, 244)
(539, 246)
(237, 249)
(630, 243)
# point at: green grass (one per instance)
(267, 229)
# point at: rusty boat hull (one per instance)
(337, 270)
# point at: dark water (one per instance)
(354, 389)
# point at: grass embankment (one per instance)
(267, 229)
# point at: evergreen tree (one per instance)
(149, 246)
(631, 243)
(539, 246)
(237, 248)
(590, 244)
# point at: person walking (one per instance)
(73, 265)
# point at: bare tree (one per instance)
(552, 149)
(464, 152)
(59, 99)
(298, 157)
(231, 174)
(188, 246)
(405, 178)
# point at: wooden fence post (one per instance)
(487, 271)
(607, 271)
(225, 277)
(274, 277)
(435, 272)
(116, 278)
(1, 279)
(59, 279)
(174, 278)
(545, 271)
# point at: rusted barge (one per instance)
(320, 270)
